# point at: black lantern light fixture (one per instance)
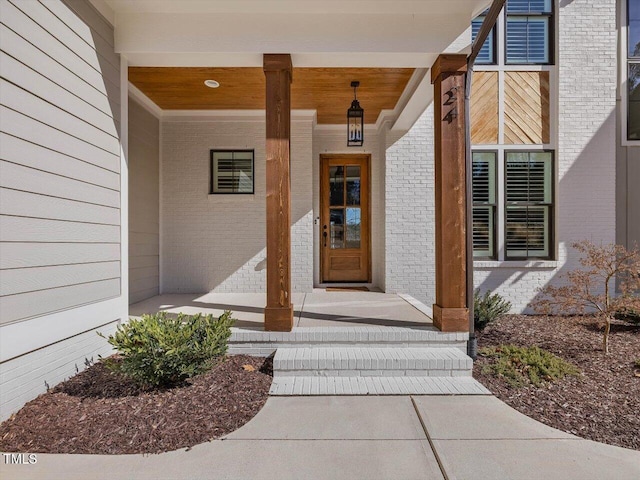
(355, 120)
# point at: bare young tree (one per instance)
(592, 288)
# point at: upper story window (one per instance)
(524, 38)
(633, 70)
(528, 32)
(487, 55)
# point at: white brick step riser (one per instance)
(306, 385)
(370, 362)
(373, 373)
(355, 335)
(266, 349)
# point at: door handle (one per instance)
(324, 235)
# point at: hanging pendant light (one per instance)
(355, 120)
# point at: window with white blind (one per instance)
(232, 171)
(487, 55)
(528, 28)
(528, 204)
(484, 204)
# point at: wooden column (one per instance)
(278, 314)
(450, 313)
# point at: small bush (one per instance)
(488, 307)
(158, 350)
(526, 365)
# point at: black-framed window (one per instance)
(232, 172)
(528, 205)
(529, 32)
(484, 178)
(487, 54)
(633, 70)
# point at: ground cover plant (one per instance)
(601, 403)
(521, 366)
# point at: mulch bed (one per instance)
(98, 411)
(602, 404)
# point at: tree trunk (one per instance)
(605, 338)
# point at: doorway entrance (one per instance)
(345, 236)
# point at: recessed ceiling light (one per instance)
(211, 83)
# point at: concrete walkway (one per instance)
(375, 437)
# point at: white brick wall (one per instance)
(585, 160)
(25, 377)
(217, 242)
(587, 46)
(410, 211)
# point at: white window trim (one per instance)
(622, 80)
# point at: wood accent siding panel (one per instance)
(144, 210)
(484, 108)
(526, 108)
(59, 159)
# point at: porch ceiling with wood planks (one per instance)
(326, 90)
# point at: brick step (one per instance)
(371, 361)
(257, 342)
(316, 385)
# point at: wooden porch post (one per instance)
(278, 314)
(450, 312)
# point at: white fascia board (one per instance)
(334, 39)
(420, 99)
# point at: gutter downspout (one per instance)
(487, 25)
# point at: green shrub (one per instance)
(158, 350)
(488, 307)
(526, 365)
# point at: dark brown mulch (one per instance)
(602, 404)
(98, 411)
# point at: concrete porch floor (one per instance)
(320, 308)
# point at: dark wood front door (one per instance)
(345, 218)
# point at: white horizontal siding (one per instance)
(41, 15)
(25, 255)
(25, 127)
(39, 85)
(26, 53)
(24, 280)
(27, 204)
(83, 18)
(27, 305)
(21, 229)
(19, 177)
(18, 99)
(22, 152)
(61, 229)
(39, 36)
